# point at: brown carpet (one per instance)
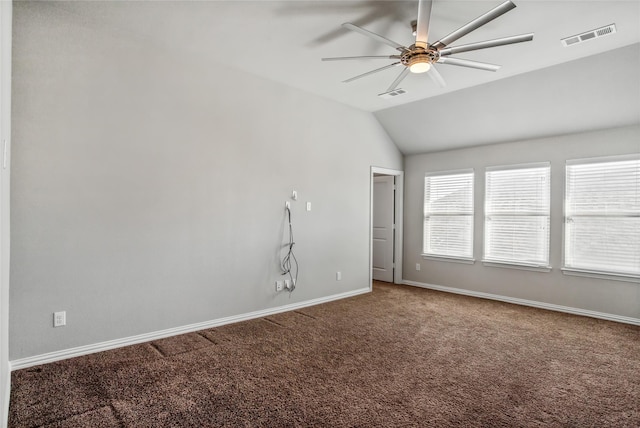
(397, 357)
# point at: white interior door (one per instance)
(382, 233)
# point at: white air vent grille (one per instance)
(392, 94)
(589, 35)
(606, 30)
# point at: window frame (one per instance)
(543, 266)
(443, 257)
(582, 272)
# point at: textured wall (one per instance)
(148, 190)
(5, 135)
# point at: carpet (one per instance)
(397, 357)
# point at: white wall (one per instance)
(605, 296)
(148, 190)
(5, 135)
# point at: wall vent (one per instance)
(392, 94)
(589, 35)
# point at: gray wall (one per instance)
(148, 190)
(607, 296)
(5, 134)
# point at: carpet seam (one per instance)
(157, 348)
(188, 351)
(116, 414)
(274, 322)
(306, 315)
(73, 415)
(207, 338)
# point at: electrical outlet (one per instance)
(294, 195)
(59, 318)
(417, 266)
(279, 286)
(287, 284)
(287, 204)
(338, 276)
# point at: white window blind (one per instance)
(602, 216)
(448, 214)
(517, 205)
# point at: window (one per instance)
(448, 214)
(602, 216)
(517, 215)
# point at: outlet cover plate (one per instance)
(59, 318)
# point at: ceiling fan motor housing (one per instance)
(416, 54)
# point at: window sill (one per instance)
(448, 259)
(533, 268)
(601, 275)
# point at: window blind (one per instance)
(517, 205)
(602, 216)
(448, 214)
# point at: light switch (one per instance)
(308, 206)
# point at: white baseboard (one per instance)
(132, 340)
(4, 400)
(524, 302)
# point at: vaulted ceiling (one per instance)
(285, 40)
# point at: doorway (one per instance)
(385, 244)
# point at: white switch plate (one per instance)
(308, 206)
(417, 266)
(338, 276)
(59, 318)
(279, 286)
(294, 195)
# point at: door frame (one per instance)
(384, 195)
(398, 214)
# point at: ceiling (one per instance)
(284, 41)
(573, 97)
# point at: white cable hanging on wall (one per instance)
(289, 263)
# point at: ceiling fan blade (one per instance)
(399, 79)
(422, 27)
(476, 23)
(340, 58)
(470, 64)
(487, 44)
(371, 72)
(374, 36)
(436, 76)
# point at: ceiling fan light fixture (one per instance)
(420, 67)
(419, 64)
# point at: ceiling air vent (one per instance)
(392, 94)
(589, 35)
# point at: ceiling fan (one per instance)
(422, 55)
